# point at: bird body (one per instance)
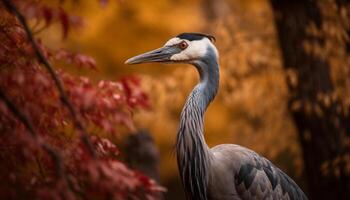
(224, 172)
(255, 177)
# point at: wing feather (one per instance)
(258, 178)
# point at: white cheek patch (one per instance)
(196, 49)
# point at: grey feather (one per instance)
(275, 177)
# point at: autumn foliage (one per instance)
(49, 149)
(47, 152)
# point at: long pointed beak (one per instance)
(162, 54)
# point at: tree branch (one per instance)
(63, 96)
(29, 126)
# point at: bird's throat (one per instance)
(193, 155)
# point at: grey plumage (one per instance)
(192, 152)
(248, 171)
(224, 172)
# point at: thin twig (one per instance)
(18, 114)
(63, 96)
(41, 170)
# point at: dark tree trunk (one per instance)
(322, 127)
(143, 154)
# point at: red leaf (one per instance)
(48, 15)
(64, 19)
(85, 60)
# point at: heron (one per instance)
(226, 171)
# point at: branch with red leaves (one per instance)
(63, 96)
(56, 157)
(41, 157)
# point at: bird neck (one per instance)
(193, 155)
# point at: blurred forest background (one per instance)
(284, 88)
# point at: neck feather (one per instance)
(193, 155)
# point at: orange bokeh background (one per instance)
(251, 106)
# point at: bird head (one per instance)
(184, 48)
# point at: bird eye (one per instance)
(183, 45)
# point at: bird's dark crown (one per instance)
(195, 36)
